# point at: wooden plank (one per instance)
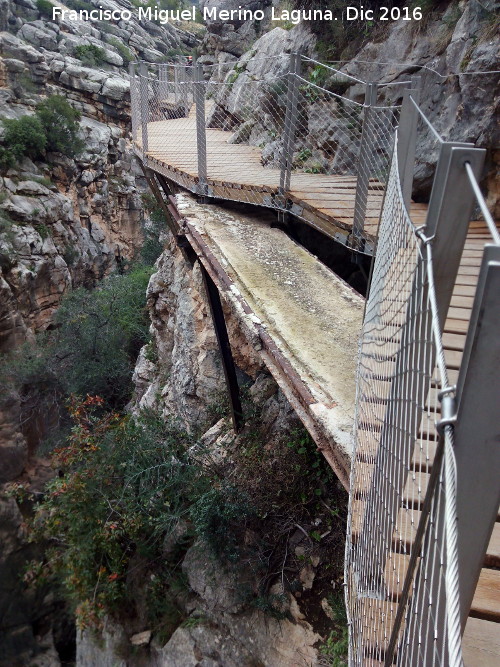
(486, 602)
(493, 552)
(481, 643)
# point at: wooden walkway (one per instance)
(235, 172)
(326, 202)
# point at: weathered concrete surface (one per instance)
(310, 315)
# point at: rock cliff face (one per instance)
(71, 220)
(180, 374)
(67, 221)
(64, 222)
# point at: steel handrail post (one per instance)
(477, 430)
(163, 82)
(363, 170)
(143, 88)
(290, 128)
(408, 122)
(201, 133)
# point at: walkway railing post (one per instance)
(477, 431)
(134, 106)
(408, 139)
(201, 136)
(291, 117)
(163, 82)
(363, 171)
(143, 93)
(176, 84)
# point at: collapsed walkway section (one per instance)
(302, 318)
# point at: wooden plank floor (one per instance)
(235, 171)
(327, 203)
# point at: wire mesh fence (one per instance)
(401, 555)
(281, 141)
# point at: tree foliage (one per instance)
(90, 54)
(93, 347)
(60, 123)
(53, 127)
(123, 485)
(25, 136)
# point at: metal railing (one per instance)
(420, 449)
(294, 130)
(411, 566)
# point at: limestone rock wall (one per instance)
(67, 221)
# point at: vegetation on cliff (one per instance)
(53, 127)
(133, 494)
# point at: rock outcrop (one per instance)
(233, 37)
(68, 221)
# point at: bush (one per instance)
(99, 335)
(44, 7)
(7, 158)
(90, 55)
(60, 124)
(24, 136)
(218, 516)
(152, 246)
(123, 50)
(80, 4)
(53, 127)
(124, 485)
(94, 345)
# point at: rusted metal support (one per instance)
(225, 350)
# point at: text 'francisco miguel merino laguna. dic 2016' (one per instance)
(295, 16)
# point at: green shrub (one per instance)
(124, 51)
(218, 516)
(44, 7)
(53, 127)
(43, 230)
(152, 246)
(99, 335)
(43, 180)
(93, 347)
(7, 158)
(335, 648)
(60, 123)
(124, 485)
(80, 4)
(25, 136)
(70, 254)
(90, 55)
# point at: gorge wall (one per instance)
(65, 222)
(70, 221)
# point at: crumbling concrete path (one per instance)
(304, 318)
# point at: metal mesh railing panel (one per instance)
(400, 501)
(287, 130)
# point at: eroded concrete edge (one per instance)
(325, 422)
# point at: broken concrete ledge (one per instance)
(303, 320)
